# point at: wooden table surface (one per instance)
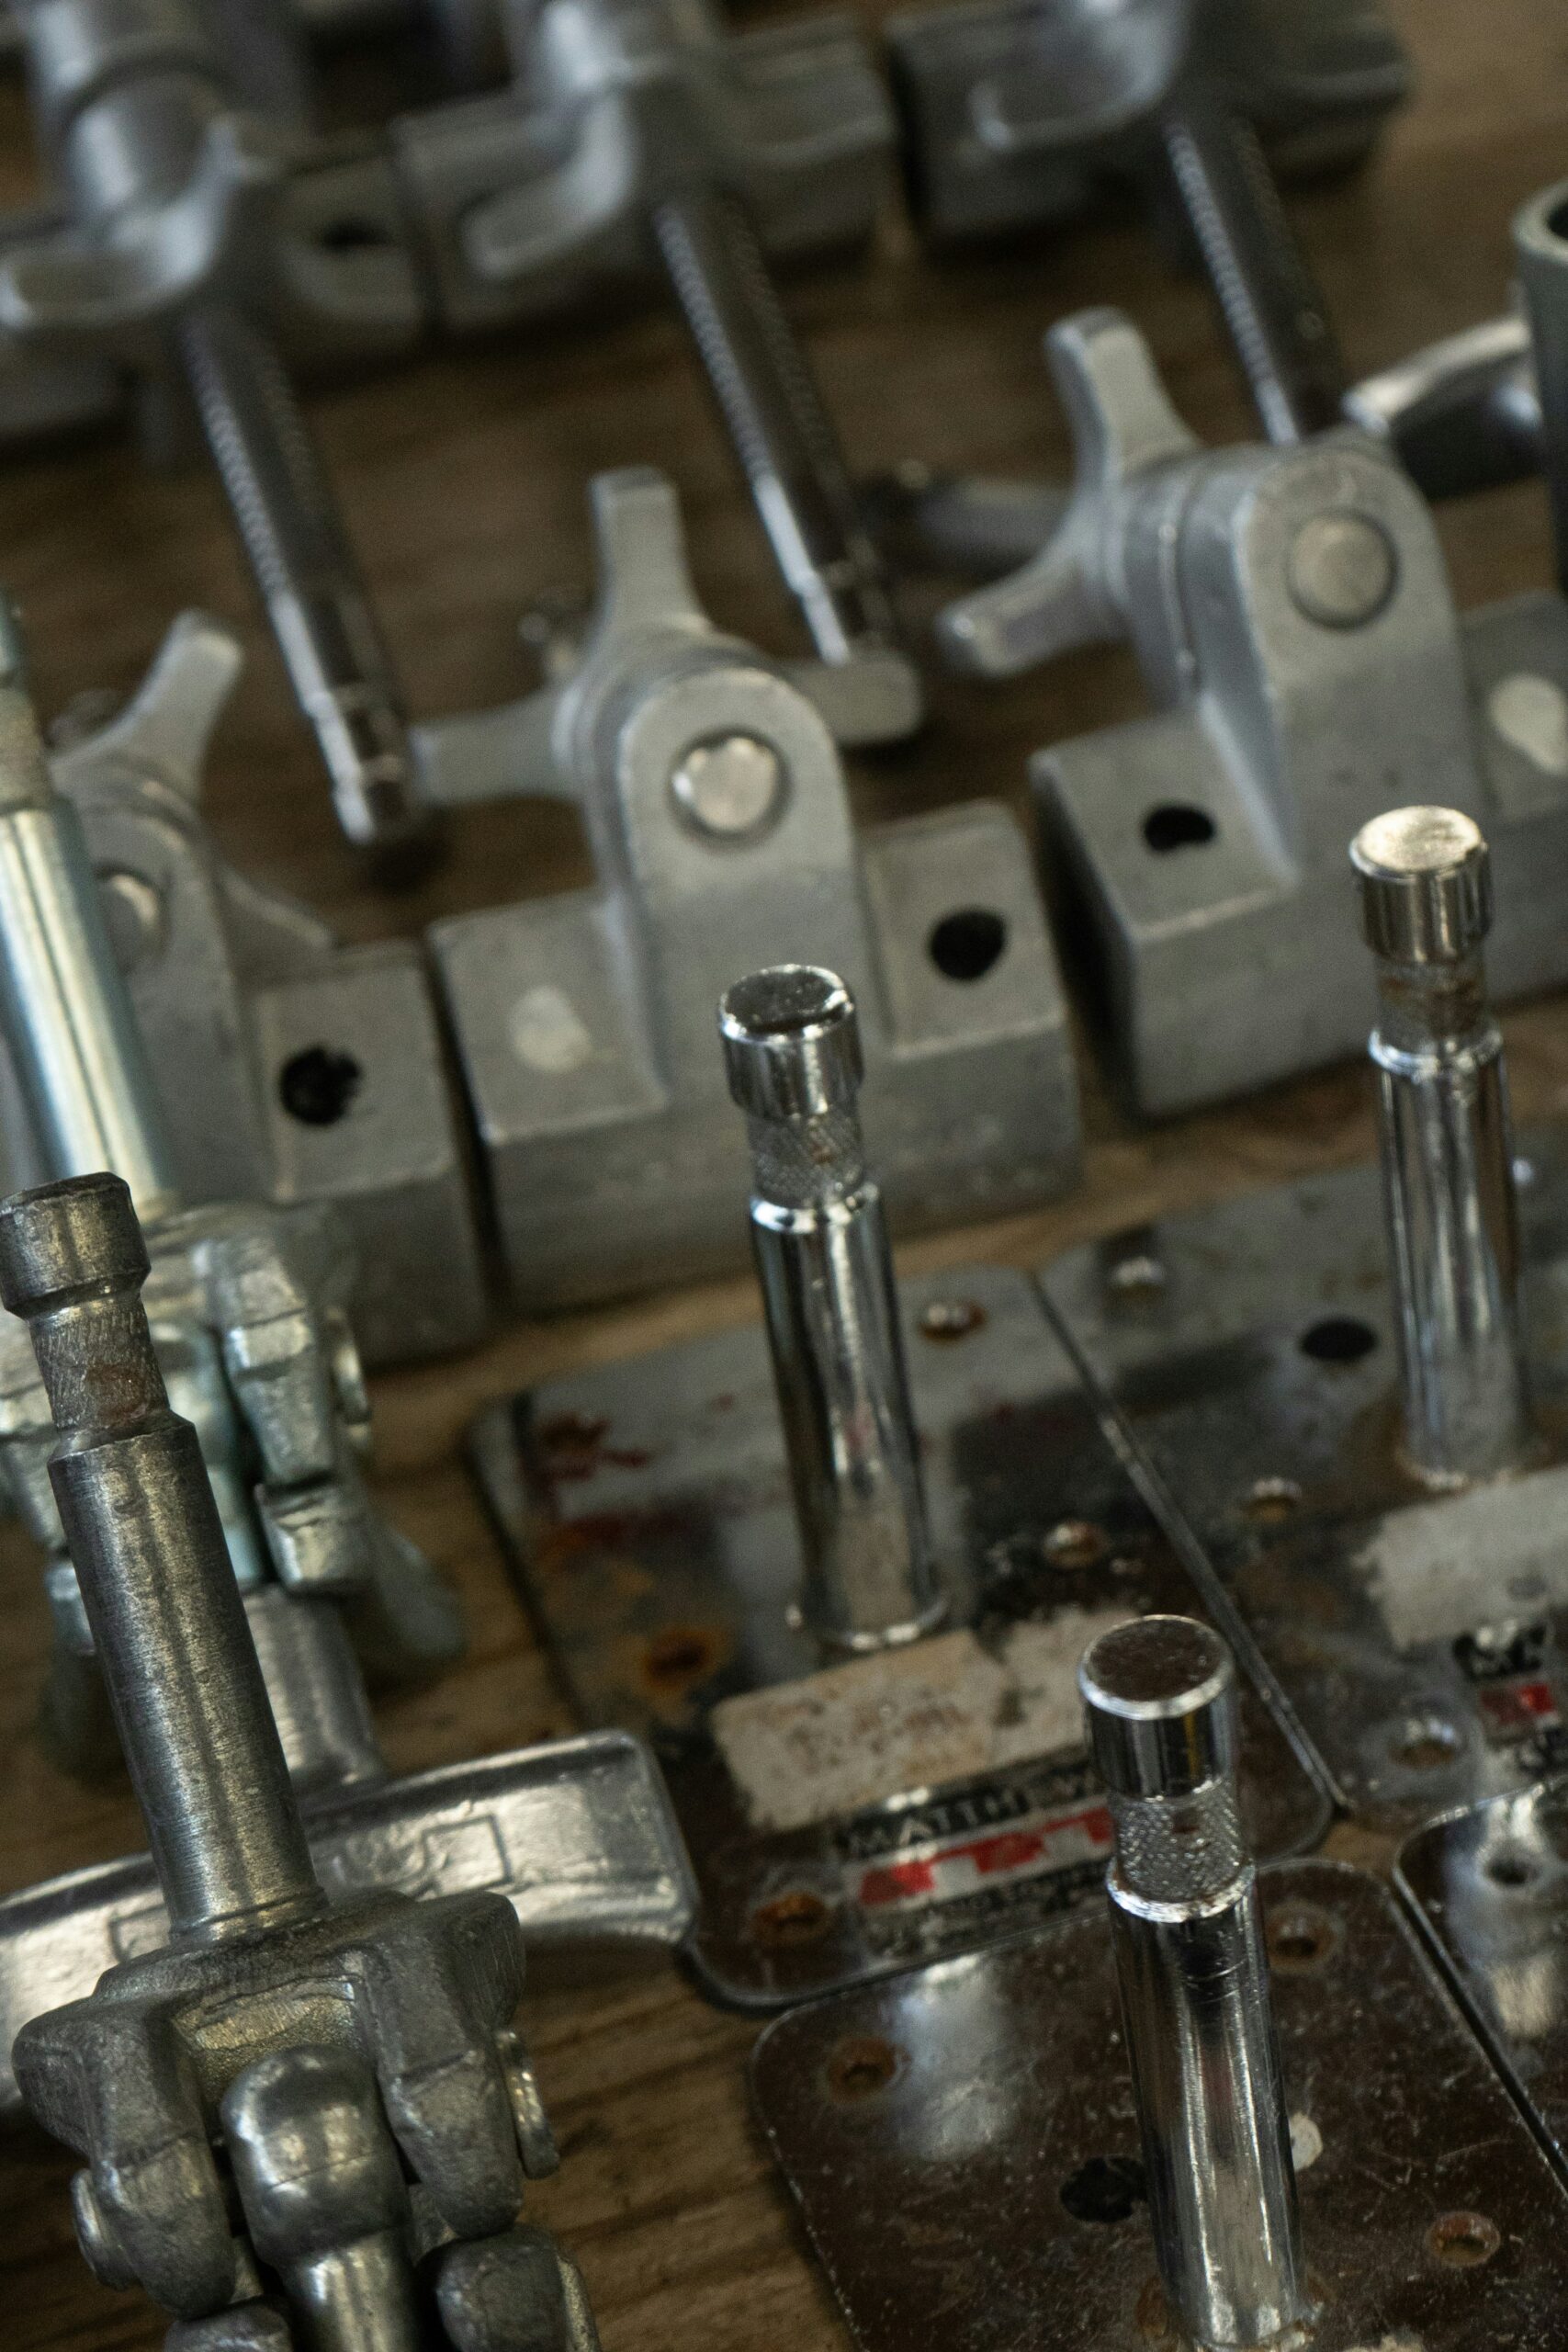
(463, 481)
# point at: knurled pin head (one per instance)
(1424, 880)
(64, 1240)
(791, 1043)
(1160, 1707)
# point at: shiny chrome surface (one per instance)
(63, 1005)
(825, 1267)
(983, 2111)
(1447, 1145)
(1159, 1700)
(168, 1623)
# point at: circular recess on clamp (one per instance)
(317, 1085)
(967, 943)
(1342, 569)
(1339, 1339)
(730, 786)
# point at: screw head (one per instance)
(1342, 569)
(730, 786)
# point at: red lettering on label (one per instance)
(1050, 1841)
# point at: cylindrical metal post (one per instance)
(288, 521)
(1159, 1700)
(1540, 249)
(1447, 1142)
(792, 1053)
(1274, 312)
(144, 1535)
(780, 429)
(64, 1008)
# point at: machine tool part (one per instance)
(1187, 1925)
(989, 2105)
(1448, 1149)
(168, 179)
(824, 1269)
(711, 788)
(289, 1067)
(1249, 1355)
(649, 135)
(1016, 112)
(577, 1835)
(251, 1308)
(1489, 1884)
(847, 1818)
(1293, 619)
(377, 2041)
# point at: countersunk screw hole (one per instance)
(1509, 1867)
(1105, 2189)
(1074, 1543)
(1176, 825)
(1424, 1743)
(679, 1655)
(862, 2065)
(1464, 2241)
(318, 1085)
(1300, 1938)
(1269, 1500)
(1339, 1339)
(965, 945)
(798, 1917)
(951, 1318)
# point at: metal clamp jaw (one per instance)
(1293, 621)
(322, 1078)
(1018, 109)
(711, 788)
(531, 201)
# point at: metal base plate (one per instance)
(849, 1820)
(1490, 1887)
(1420, 1641)
(963, 2147)
(576, 1833)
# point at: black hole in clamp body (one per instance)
(967, 945)
(1176, 825)
(317, 1085)
(352, 235)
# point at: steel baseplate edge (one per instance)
(981, 2111)
(849, 1820)
(577, 1833)
(1246, 1355)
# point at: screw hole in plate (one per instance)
(1269, 1500)
(1339, 1339)
(1509, 1867)
(1105, 2189)
(1424, 1743)
(1177, 824)
(1300, 1938)
(861, 2066)
(1464, 2241)
(797, 1916)
(968, 943)
(951, 1318)
(1074, 1543)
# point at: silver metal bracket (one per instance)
(985, 2112)
(847, 1820)
(1292, 617)
(1019, 111)
(1489, 1885)
(710, 784)
(1247, 1354)
(577, 1834)
(291, 1069)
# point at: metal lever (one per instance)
(1425, 898)
(167, 1620)
(1160, 1705)
(819, 1238)
(1072, 593)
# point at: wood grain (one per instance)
(462, 477)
